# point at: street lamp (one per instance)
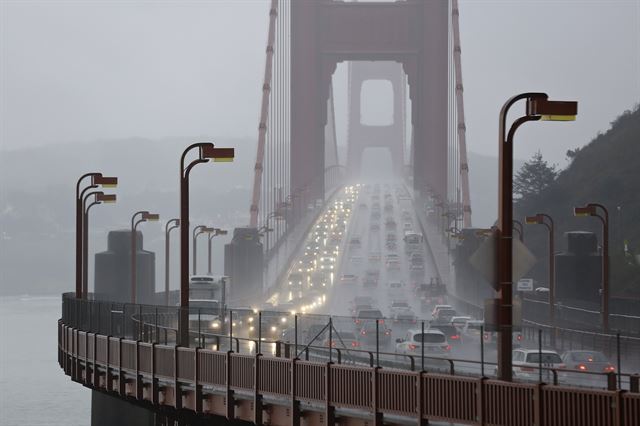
(99, 198)
(206, 152)
(169, 226)
(539, 219)
(96, 180)
(215, 233)
(517, 226)
(591, 209)
(144, 217)
(538, 107)
(200, 229)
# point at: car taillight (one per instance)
(357, 321)
(519, 337)
(609, 369)
(363, 332)
(355, 344)
(455, 337)
(530, 369)
(486, 336)
(412, 347)
(581, 367)
(447, 348)
(387, 332)
(380, 321)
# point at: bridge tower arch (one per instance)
(413, 33)
(362, 135)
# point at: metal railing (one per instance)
(157, 373)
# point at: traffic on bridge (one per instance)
(370, 256)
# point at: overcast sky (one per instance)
(87, 70)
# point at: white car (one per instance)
(439, 307)
(460, 322)
(348, 279)
(395, 289)
(526, 363)
(434, 342)
(398, 306)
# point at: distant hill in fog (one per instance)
(605, 171)
(37, 187)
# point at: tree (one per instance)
(533, 177)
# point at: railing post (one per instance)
(108, 377)
(139, 384)
(375, 394)
(96, 373)
(121, 381)
(177, 403)
(196, 381)
(611, 381)
(537, 404)
(480, 401)
(230, 400)
(155, 388)
(329, 410)
(634, 383)
(257, 397)
(295, 404)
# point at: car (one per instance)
(395, 288)
(432, 340)
(416, 262)
(405, 318)
(393, 261)
(390, 224)
(374, 257)
(362, 299)
(326, 263)
(459, 322)
(355, 242)
(398, 305)
(296, 279)
(342, 340)
(473, 329)
(368, 331)
(438, 307)
(348, 279)
(453, 334)
(527, 362)
(371, 278)
(318, 279)
(443, 316)
(407, 226)
(367, 314)
(582, 360)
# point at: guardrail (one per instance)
(220, 383)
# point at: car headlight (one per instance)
(283, 320)
(273, 329)
(215, 325)
(251, 328)
(250, 319)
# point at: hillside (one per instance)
(605, 171)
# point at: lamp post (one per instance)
(96, 179)
(206, 152)
(99, 198)
(169, 226)
(215, 233)
(547, 221)
(591, 209)
(144, 217)
(538, 107)
(200, 229)
(517, 226)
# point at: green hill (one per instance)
(605, 171)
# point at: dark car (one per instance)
(452, 333)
